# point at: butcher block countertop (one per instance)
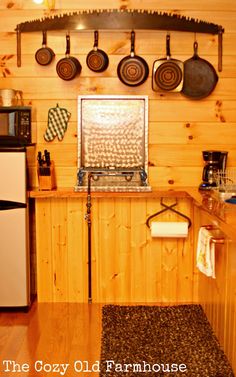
(223, 214)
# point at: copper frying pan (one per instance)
(133, 70)
(97, 60)
(44, 55)
(68, 67)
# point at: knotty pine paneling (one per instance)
(230, 322)
(82, 42)
(179, 128)
(190, 133)
(128, 265)
(226, 17)
(132, 4)
(44, 251)
(217, 296)
(221, 110)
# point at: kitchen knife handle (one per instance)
(40, 161)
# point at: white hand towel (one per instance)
(206, 253)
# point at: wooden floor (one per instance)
(68, 334)
(52, 339)
(48, 334)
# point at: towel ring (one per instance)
(217, 240)
(166, 208)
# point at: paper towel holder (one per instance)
(168, 208)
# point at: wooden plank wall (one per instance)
(217, 296)
(180, 128)
(128, 265)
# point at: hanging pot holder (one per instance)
(57, 123)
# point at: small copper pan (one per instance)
(44, 55)
(133, 70)
(97, 60)
(69, 67)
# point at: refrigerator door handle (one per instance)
(9, 204)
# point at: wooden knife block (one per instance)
(46, 177)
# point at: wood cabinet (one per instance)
(218, 296)
(128, 265)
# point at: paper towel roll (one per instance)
(169, 229)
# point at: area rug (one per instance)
(160, 341)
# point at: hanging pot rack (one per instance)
(120, 20)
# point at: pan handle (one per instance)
(168, 46)
(95, 46)
(132, 52)
(195, 49)
(67, 44)
(44, 43)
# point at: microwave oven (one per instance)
(15, 125)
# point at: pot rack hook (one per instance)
(166, 208)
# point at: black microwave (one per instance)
(15, 125)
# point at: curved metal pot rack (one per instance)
(120, 20)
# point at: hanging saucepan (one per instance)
(68, 67)
(133, 70)
(44, 55)
(167, 73)
(200, 77)
(97, 60)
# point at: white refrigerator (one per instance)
(14, 234)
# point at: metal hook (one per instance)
(166, 208)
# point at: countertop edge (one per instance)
(223, 215)
(70, 193)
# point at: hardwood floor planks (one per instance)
(63, 333)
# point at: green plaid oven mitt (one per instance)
(57, 123)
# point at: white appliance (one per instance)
(14, 244)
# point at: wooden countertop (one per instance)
(223, 214)
(69, 192)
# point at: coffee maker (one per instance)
(214, 161)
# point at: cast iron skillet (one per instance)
(97, 60)
(44, 55)
(68, 67)
(133, 70)
(200, 77)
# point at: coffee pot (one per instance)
(214, 161)
(11, 97)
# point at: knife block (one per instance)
(46, 177)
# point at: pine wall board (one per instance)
(179, 128)
(139, 4)
(217, 296)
